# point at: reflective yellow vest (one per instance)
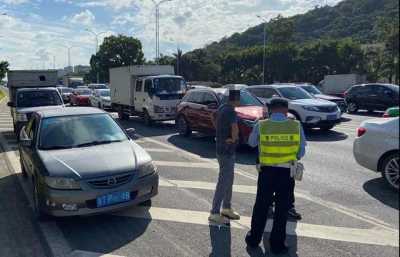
(279, 141)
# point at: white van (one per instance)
(149, 91)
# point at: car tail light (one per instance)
(361, 131)
(386, 115)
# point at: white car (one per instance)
(377, 148)
(101, 99)
(312, 112)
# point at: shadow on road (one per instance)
(378, 189)
(220, 237)
(111, 232)
(315, 135)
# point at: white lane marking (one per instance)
(79, 253)
(306, 195)
(54, 237)
(203, 165)
(157, 150)
(354, 235)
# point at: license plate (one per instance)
(113, 198)
(332, 117)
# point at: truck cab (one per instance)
(156, 97)
(148, 91)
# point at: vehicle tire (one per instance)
(327, 128)
(146, 203)
(147, 119)
(38, 214)
(390, 170)
(122, 115)
(352, 107)
(99, 106)
(183, 126)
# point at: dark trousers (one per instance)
(271, 180)
(292, 184)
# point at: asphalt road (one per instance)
(347, 210)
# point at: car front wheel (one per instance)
(38, 214)
(352, 108)
(183, 126)
(390, 170)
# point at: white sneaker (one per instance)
(229, 213)
(218, 218)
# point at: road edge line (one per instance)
(53, 239)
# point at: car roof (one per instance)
(102, 89)
(69, 111)
(161, 76)
(37, 89)
(274, 86)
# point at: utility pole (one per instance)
(54, 62)
(265, 44)
(157, 6)
(96, 35)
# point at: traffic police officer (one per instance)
(281, 142)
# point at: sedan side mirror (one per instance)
(131, 132)
(24, 140)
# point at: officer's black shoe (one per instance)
(249, 241)
(279, 250)
(293, 214)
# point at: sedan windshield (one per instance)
(38, 98)
(79, 131)
(312, 89)
(169, 85)
(246, 98)
(294, 93)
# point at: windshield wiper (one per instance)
(56, 147)
(97, 143)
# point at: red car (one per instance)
(80, 97)
(198, 109)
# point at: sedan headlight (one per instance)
(147, 169)
(311, 108)
(21, 117)
(62, 183)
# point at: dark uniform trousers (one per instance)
(271, 180)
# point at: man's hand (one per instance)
(230, 141)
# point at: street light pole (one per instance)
(96, 35)
(157, 6)
(265, 44)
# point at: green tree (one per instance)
(115, 51)
(280, 31)
(3, 69)
(389, 32)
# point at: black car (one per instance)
(372, 97)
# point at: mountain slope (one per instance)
(350, 18)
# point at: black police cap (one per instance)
(278, 103)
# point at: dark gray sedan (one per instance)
(80, 161)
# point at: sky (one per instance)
(36, 34)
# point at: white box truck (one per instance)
(73, 81)
(30, 91)
(149, 91)
(338, 84)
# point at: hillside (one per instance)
(350, 18)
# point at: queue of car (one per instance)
(56, 142)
